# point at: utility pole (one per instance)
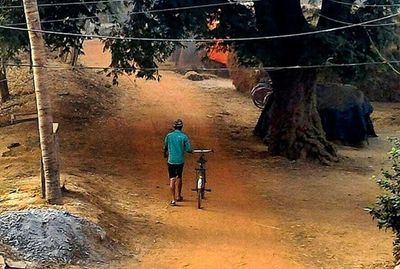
(47, 136)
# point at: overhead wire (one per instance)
(374, 46)
(364, 5)
(370, 39)
(380, 54)
(127, 1)
(203, 39)
(270, 68)
(145, 11)
(66, 4)
(124, 1)
(349, 23)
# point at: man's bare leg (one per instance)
(179, 181)
(172, 188)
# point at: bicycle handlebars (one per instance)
(202, 150)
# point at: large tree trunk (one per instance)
(4, 92)
(45, 119)
(337, 11)
(295, 129)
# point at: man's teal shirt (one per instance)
(177, 143)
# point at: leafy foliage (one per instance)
(10, 41)
(357, 44)
(387, 208)
(54, 13)
(249, 20)
(145, 56)
(59, 18)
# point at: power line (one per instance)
(203, 39)
(380, 54)
(139, 12)
(370, 39)
(146, 11)
(67, 4)
(364, 5)
(271, 68)
(349, 23)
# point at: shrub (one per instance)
(386, 210)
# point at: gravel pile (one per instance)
(48, 235)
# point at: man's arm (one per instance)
(188, 146)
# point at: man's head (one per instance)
(178, 124)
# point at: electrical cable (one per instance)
(66, 4)
(362, 5)
(126, 1)
(349, 23)
(370, 39)
(203, 39)
(144, 12)
(375, 47)
(275, 68)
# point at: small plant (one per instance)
(387, 207)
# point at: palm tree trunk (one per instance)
(45, 119)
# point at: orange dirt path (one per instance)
(235, 228)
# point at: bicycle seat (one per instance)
(202, 150)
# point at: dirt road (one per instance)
(262, 213)
(234, 229)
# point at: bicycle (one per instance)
(261, 93)
(201, 179)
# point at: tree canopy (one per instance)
(55, 16)
(259, 19)
(60, 16)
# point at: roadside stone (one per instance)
(13, 145)
(63, 93)
(194, 76)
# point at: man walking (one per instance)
(176, 144)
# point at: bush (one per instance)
(387, 207)
(244, 79)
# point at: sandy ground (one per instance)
(263, 212)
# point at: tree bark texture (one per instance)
(4, 91)
(43, 103)
(337, 11)
(295, 129)
(74, 56)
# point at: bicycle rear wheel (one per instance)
(200, 190)
(199, 199)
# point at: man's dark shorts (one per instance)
(175, 170)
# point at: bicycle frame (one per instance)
(201, 178)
